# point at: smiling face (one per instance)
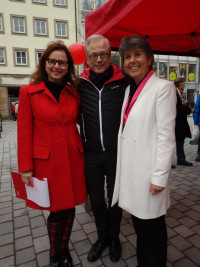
(136, 64)
(56, 73)
(98, 65)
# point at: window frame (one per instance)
(66, 22)
(2, 23)
(34, 27)
(5, 56)
(20, 49)
(38, 3)
(12, 17)
(20, 1)
(60, 6)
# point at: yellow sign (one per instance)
(191, 76)
(172, 76)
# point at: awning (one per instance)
(170, 26)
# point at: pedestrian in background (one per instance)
(182, 129)
(13, 110)
(145, 146)
(16, 108)
(196, 117)
(49, 144)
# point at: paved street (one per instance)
(23, 235)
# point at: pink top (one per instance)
(135, 96)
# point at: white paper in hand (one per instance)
(40, 193)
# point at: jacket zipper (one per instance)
(100, 121)
(83, 128)
(100, 114)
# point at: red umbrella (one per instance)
(170, 26)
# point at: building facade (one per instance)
(26, 27)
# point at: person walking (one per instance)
(145, 146)
(102, 87)
(50, 146)
(182, 129)
(196, 117)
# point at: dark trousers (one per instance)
(180, 150)
(100, 166)
(151, 241)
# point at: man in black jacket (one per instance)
(182, 129)
(102, 88)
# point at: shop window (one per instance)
(182, 70)
(192, 73)
(155, 70)
(115, 59)
(172, 73)
(163, 70)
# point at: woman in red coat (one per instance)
(49, 144)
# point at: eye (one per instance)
(127, 56)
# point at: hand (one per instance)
(154, 189)
(27, 177)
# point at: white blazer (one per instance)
(145, 150)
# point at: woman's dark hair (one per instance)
(40, 74)
(178, 81)
(136, 42)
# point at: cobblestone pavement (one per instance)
(23, 234)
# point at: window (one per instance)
(40, 26)
(83, 32)
(1, 24)
(192, 73)
(21, 57)
(60, 3)
(182, 70)
(38, 55)
(98, 3)
(163, 70)
(61, 29)
(86, 4)
(173, 71)
(18, 25)
(22, 1)
(2, 56)
(39, 1)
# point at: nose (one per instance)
(57, 65)
(98, 58)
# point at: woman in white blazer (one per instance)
(145, 145)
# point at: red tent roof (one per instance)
(171, 26)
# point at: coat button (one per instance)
(62, 138)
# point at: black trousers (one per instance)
(151, 241)
(98, 166)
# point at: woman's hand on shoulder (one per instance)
(27, 177)
(154, 189)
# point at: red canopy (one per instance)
(170, 26)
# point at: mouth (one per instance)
(134, 68)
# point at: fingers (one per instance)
(27, 177)
(154, 190)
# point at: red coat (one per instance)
(49, 143)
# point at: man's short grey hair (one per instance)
(94, 38)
